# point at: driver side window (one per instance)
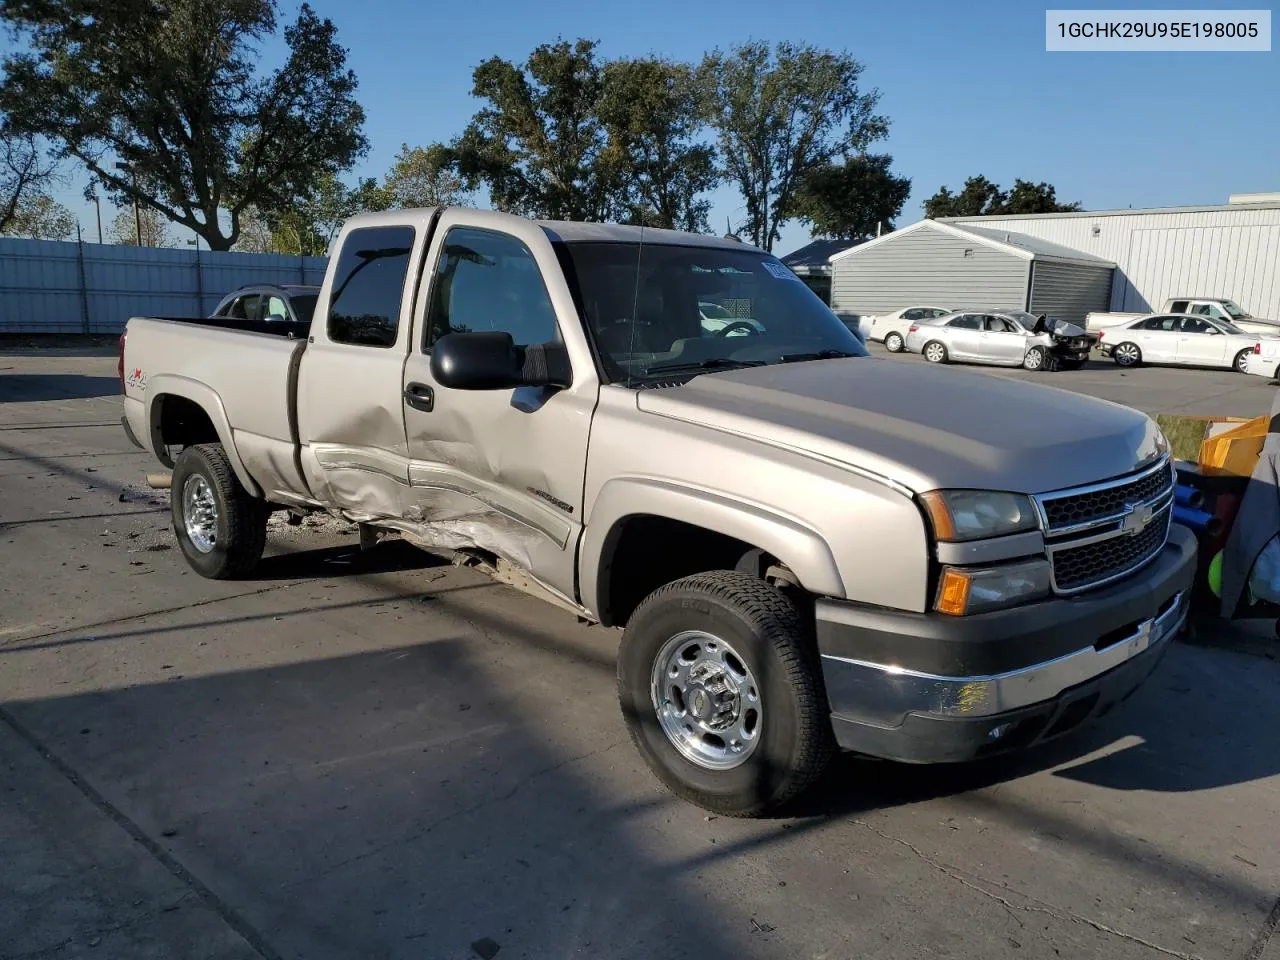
(1192, 325)
(489, 281)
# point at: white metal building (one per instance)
(1232, 250)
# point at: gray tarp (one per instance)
(1258, 520)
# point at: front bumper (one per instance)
(926, 688)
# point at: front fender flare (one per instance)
(169, 384)
(801, 548)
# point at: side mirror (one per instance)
(490, 360)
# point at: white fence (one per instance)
(53, 286)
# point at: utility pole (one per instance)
(91, 193)
(137, 217)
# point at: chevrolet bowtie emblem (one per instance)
(1135, 518)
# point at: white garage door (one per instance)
(1235, 262)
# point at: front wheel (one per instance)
(720, 688)
(1036, 359)
(1242, 360)
(221, 527)
(894, 343)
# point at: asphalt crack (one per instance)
(1268, 931)
(228, 914)
(1040, 906)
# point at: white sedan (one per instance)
(1181, 339)
(891, 328)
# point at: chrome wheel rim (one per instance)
(893, 343)
(1033, 360)
(934, 353)
(200, 513)
(1127, 354)
(1242, 361)
(707, 700)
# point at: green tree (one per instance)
(1028, 197)
(853, 199)
(781, 113)
(538, 144)
(25, 171)
(419, 177)
(649, 108)
(175, 90)
(151, 224)
(982, 198)
(40, 217)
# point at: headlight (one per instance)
(962, 591)
(959, 515)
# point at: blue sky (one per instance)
(968, 88)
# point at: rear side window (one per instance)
(967, 322)
(1179, 306)
(368, 286)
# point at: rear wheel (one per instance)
(1070, 364)
(221, 528)
(935, 352)
(1241, 360)
(721, 691)
(894, 343)
(1126, 354)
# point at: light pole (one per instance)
(133, 183)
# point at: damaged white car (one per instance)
(1011, 339)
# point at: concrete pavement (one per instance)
(379, 755)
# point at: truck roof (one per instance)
(565, 230)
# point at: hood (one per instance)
(925, 427)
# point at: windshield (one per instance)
(304, 306)
(651, 310)
(1226, 327)
(1233, 310)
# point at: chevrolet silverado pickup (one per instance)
(807, 548)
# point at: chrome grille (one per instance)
(1102, 532)
(1068, 509)
(1079, 567)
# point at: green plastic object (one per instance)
(1215, 575)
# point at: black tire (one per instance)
(1127, 354)
(894, 343)
(939, 355)
(240, 524)
(1070, 364)
(776, 645)
(1241, 358)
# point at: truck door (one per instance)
(499, 470)
(350, 411)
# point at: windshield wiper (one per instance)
(698, 366)
(817, 355)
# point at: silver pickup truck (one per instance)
(806, 547)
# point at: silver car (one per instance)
(1006, 338)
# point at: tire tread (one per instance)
(790, 637)
(246, 515)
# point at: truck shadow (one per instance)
(29, 387)
(343, 560)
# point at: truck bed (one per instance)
(246, 379)
(288, 330)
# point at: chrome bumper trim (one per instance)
(885, 694)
